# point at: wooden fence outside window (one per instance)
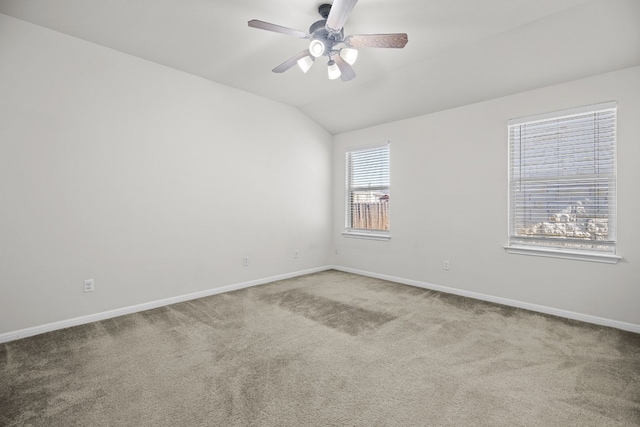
(370, 216)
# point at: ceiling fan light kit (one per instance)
(327, 38)
(317, 48)
(305, 63)
(349, 54)
(333, 70)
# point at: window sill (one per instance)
(565, 254)
(363, 234)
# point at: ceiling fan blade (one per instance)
(398, 40)
(291, 61)
(346, 71)
(254, 23)
(338, 15)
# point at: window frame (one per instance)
(517, 244)
(363, 233)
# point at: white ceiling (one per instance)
(459, 51)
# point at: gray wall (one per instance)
(153, 182)
(449, 201)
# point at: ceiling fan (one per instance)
(327, 39)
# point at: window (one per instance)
(562, 191)
(367, 192)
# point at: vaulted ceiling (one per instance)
(459, 51)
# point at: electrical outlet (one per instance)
(335, 251)
(445, 264)
(89, 285)
(245, 261)
(295, 254)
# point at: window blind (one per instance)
(562, 180)
(367, 182)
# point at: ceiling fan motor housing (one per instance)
(319, 32)
(318, 27)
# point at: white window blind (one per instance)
(563, 180)
(367, 182)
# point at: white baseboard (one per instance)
(36, 330)
(512, 303)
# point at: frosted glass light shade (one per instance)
(333, 70)
(316, 48)
(349, 55)
(305, 63)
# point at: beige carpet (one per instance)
(328, 349)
